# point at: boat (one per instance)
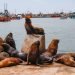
(4, 18)
(72, 15)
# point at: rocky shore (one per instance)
(53, 69)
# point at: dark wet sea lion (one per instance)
(14, 53)
(33, 55)
(10, 62)
(3, 55)
(10, 50)
(28, 26)
(45, 59)
(22, 56)
(32, 30)
(9, 40)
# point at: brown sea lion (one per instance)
(10, 62)
(3, 55)
(32, 30)
(33, 55)
(66, 59)
(47, 56)
(53, 46)
(9, 40)
(1, 49)
(1, 40)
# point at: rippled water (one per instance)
(64, 30)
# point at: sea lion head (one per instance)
(27, 20)
(53, 46)
(10, 34)
(5, 46)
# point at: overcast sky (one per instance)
(36, 6)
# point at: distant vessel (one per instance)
(72, 15)
(5, 16)
(63, 16)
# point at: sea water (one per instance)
(55, 28)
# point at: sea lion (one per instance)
(33, 55)
(32, 30)
(10, 50)
(47, 56)
(14, 53)
(1, 41)
(9, 40)
(22, 56)
(10, 62)
(28, 26)
(3, 55)
(1, 49)
(66, 59)
(53, 46)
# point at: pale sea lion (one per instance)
(33, 55)
(9, 40)
(65, 59)
(10, 62)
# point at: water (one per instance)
(64, 30)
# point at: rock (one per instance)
(9, 40)
(30, 39)
(1, 40)
(3, 55)
(33, 55)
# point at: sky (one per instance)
(36, 6)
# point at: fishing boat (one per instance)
(4, 18)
